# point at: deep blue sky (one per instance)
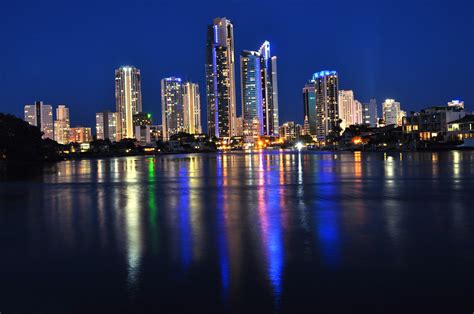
(419, 52)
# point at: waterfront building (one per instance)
(220, 79)
(148, 134)
(309, 107)
(40, 115)
(108, 125)
(128, 97)
(251, 91)
(239, 127)
(327, 111)
(350, 110)
(172, 110)
(461, 129)
(288, 131)
(62, 125)
(192, 108)
(80, 135)
(431, 123)
(392, 114)
(370, 113)
(259, 90)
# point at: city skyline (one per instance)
(373, 66)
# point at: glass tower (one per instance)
(220, 79)
(172, 110)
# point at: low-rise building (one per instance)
(461, 129)
(431, 124)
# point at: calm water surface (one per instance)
(271, 232)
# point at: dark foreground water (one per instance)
(240, 233)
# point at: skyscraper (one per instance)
(392, 113)
(327, 115)
(309, 106)
(128, 97)
(259, 90)
(41, 115)
(108, 126)
(220, 79)
(251, 82)
(62, 125)
(350, 110)
(269, 77)
(172, 110)
(370, 113)
(276, 117)
(192, 108)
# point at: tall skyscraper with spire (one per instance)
(269, 92)
(259, 91)
(220, 79)
(128, 97)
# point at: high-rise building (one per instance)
(192, 108)
(128, 97)
(108, 126)
(41, 115)
(252, 105)
(327, 115)
(259, 90)
(309, 106)
(220, 79)
(172, 110)
(350, 109)
(80, 135)
(62, 125)
(276, 117)
(370, 113)
(268, 75)
(391, 112)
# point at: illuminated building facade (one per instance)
(41, 115)
(392, 114)
(327, 111)
(128, 97)
(309, 106)
(80, 135)
(142, 118)
(220, 79)
(108, 125)
(259, 91)
(192, 108)
(62, 125)
(350, 110)
(252, 105)
(370, 113)
(172, 109)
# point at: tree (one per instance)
(19, 140)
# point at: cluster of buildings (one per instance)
(328, 110)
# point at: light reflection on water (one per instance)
(244, 225)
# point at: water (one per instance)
(271, 232)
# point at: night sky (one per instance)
(418, 52)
